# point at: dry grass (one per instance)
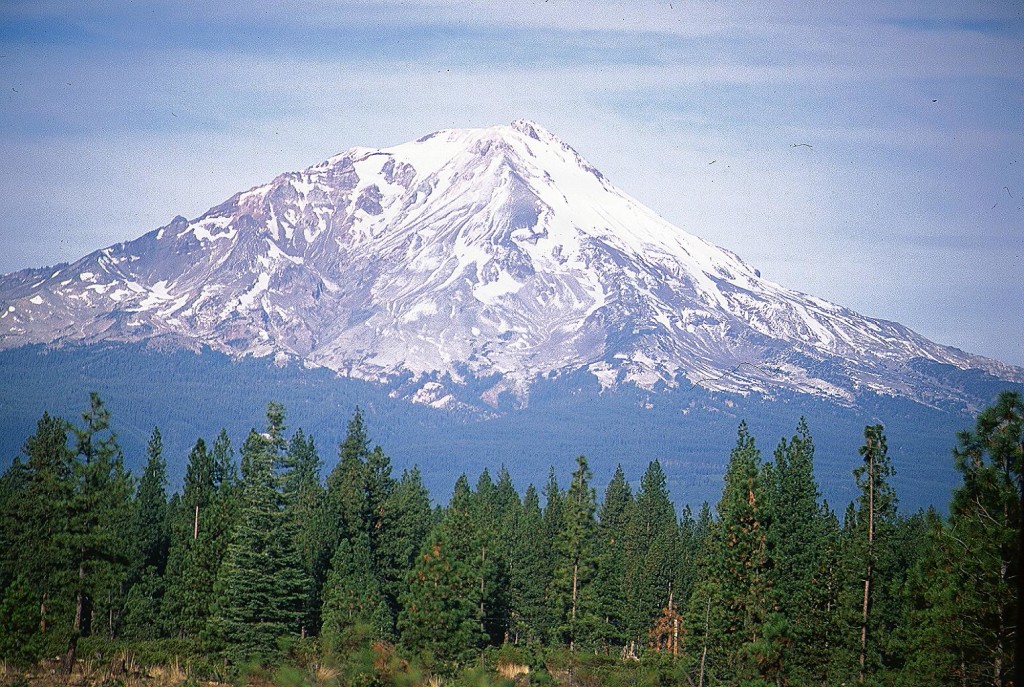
(325, 675)
(510, 671)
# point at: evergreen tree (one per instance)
(35, 570)
(576, 562)
(742, 567)
(440, 616)
(260, 589)
(96, 532)
(613, 519)
(303, 498)
(149, 518)
(971, 578)
(797, 544)
(407, 520)
(530, 575)
(355, 609)
(652, 553)
(190, 574)
(21, 641)
(150, 539)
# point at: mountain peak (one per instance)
(493, 254)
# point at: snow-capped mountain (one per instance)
(495, 253)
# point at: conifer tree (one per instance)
(797, 542)
(96, 533)
(972, 576)
(35, 502)
(576, 560)
(440, 616)
(530, 576)
(407, 520)
(652, 553)
(613, 519)
(303, 498)
(190, 572)
(150, 539)
(355, 609)
(260, 589)
(742, 566)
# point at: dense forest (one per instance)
(259, 569)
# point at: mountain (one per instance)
(495, 254)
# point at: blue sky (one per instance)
(906, 203)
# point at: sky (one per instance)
(870, 153)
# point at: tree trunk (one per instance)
(195, 525)
(867, 577)
(575, 577)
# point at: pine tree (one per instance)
(355, 610)
(797, 543)
(972, 574)
(190, 573)
(877, 502)
(652, 553)
(440, 616)
(613, 519)
(96, 533)
(260, 589)
(35, 570)
(407, 520)
(303, 499)
(742, 565)
(150, 538)
(530, 576)
(576, 562)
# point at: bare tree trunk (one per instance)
(483, 559)
(704, 651)
(195, 525)
(575, 577)
(867, 577)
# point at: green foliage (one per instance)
(21, 641)
(232, 572)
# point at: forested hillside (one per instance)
(257, 565)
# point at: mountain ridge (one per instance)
(496, 254)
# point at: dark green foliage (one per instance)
(440, 616)
(530, 574)
(354, 607)
(575, 565)
(968, 587)
(407, 520)
(652, 552)
(260, 592)
(21, 641)
(770, 592)
(35, 502)
(610, 590)
(97, 530)
(201, 520)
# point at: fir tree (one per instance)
(440, 616)
(576, 562)
(96, 533)
(35, 502)
(407, 520)
(652, 553)
(530, 576)
(354, 609)
(971, 578)
(742, 565)
(150, 540)
(613, 519)
(260, 588)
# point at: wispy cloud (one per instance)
(116, 115)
